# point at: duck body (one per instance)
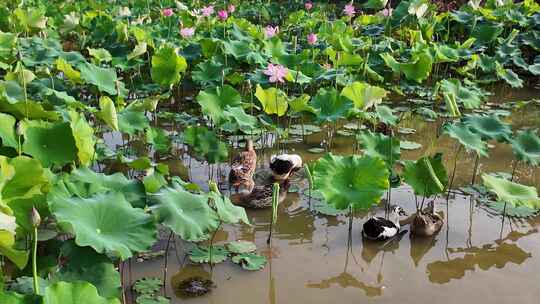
(284, 164)
(243, 166)
(380, 229)
(260, 197)
(426, 224)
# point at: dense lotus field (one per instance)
(98, 100)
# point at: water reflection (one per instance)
(345, 280)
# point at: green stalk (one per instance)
(275, 203)
(310, 180)
(34, 261)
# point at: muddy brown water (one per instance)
(476, 257)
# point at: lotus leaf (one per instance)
(104, 79)
(363, 95)
(68, 70)
(167, 66)
(201, 254)
(508, 210)
(452, 88)
(488, 127)
(409, 145)
(215, 101)
(185, 213)
(131, 122)
(330, 105)
(378, 145)
(417, 69)
(107, 112)
(75, 293)
(84, 137)
(139, 50)
(526, 147)
(486, 33)
(386, 115)
(148, 285)
(512, 193)
(244, 121)
(51, 143)
(353, 181)
(509, 76)
(94, 221)
(205, 143)
(226, 211)
(101, 54)
(471, 141)
(241, 246)
(274, 101)
(209, 72)
(7, 131)
(159, 139)
(152, 299)
(84, 264)
(427, 175)
(15, 298)
(250, 261)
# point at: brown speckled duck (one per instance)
(259, 197)
(427, 222)
(243, 166)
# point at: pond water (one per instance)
(477, 257)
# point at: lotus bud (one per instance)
(35, 218)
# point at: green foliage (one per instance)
(378, 145)
(216, 101)
(427, 175)
(526, 147)
(330, 105)
(202, 254)
(241, 247)
(274, 101)
(167, 66)
(417, 69)
(250, 261)
(471, 141)
(350, 181)
(50, 143)
(206, 144)
(147, 285)
(363, 95)
(75, 293)
(488, 127)
(512, 193)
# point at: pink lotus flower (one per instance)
(349, 10)
(187, 32)
(308, 5)
(223, 15)
(167, 12)
(271, 31)
(311, 38)
(387, 12)
(276, 72)
(207, 11)
(231, 8)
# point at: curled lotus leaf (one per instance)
(363, 95)
(512, 193)
(526, 147)
(351, 181)
(273, 100)
(489, 127)
(471, 141)
(427, 175)
(167, 66)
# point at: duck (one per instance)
(380, 229)
(283, 165)
(243, 166)
(260, 196)
(427, 222)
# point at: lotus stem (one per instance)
(34, 260)
(166, 263)
(475, 169)
(451, 183)
(514, 168)
(310, 181)
(275, 202)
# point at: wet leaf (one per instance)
(201, 254)
(241, 246)
(226, 210)
(250, 261)
(148, 285)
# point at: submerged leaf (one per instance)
(250, 261)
